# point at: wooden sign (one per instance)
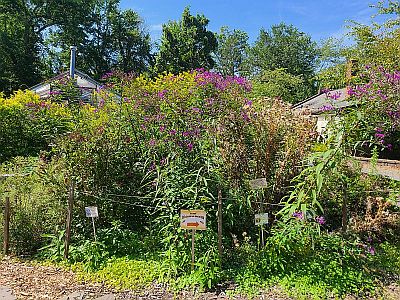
(193, 219)
(258, 183)
(261, 219)
(91, 212)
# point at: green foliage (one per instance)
(28, 124)
(283, 47)
(186, 45)
(231, 52)
(279, 84)
(36, 192)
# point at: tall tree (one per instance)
(110, 39)
(186, 44)
(231, 51)
(283, 47)
(32, 32)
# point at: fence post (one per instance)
(220, 225)
(69, 218)
(6, 242)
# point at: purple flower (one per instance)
(162, 128)
(195, 109)
(162, 93)
(190, 147)
(298, 215)
(371, 250)
(326, 108)
(245, 117)
(379, 135)
(152, 142)
(320, 220)
(172, 132)
(334, 96)
(186, 133)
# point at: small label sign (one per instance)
(258, 183)
(261, 219)
(193, 219)
(91, 212)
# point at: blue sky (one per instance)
(321, 19)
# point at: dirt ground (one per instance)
(33, 282)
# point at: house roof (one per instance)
(85, 83)
(317, 103)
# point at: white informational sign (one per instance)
(261, 219)
(193, 219)
(91, 212)
(258, 183)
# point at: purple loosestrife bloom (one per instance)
(162, 128)
(190, 147)
(172, 132)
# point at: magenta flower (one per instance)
(320, 220)
(371, 250)
(190, 147)
(326, 108)
(152, 142)
(162, 128)
(298, 215)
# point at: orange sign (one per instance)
(193, 219)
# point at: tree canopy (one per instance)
(231, 51)
(186, 44)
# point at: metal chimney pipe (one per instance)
(72, 62)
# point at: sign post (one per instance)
(194, 220)
(262, 218)
(92, 212)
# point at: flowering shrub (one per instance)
(375, 120)
(28, 124)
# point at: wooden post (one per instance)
(220, 226)
(6, 242)
(94, 230)
(69, 219)
(193, 232)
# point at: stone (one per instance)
(6, 293)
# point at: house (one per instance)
(319, 106)
(84, 82)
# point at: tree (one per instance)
(231, 51)
(283, 47)
(110, 39)
(33, 32)
(279, 83)
(186, 44)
